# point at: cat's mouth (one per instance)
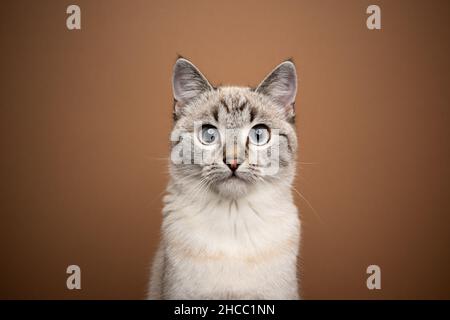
(236, 176)
(234, 184)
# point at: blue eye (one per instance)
(209, 134)
(259, 135)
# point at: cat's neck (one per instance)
(267, 214)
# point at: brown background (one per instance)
(85, 119)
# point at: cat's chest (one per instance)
(244, 228)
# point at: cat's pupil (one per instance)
(209, 134)
(259, 134)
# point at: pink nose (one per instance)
(233, 165)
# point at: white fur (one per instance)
(235, 254)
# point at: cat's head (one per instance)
(231, 140)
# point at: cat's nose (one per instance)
(233, 165)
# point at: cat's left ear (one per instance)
(281, 86)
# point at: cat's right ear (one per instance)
(187, 82)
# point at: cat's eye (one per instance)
(259, 135)
(209, 134)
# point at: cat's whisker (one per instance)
(305, 200)
(307, 163)
(309, 204)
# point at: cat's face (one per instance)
(230, 140)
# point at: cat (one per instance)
(230, 228)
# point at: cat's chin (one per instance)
(233, 187)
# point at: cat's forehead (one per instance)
(233, 108)
(230, 107)
(234, 98)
